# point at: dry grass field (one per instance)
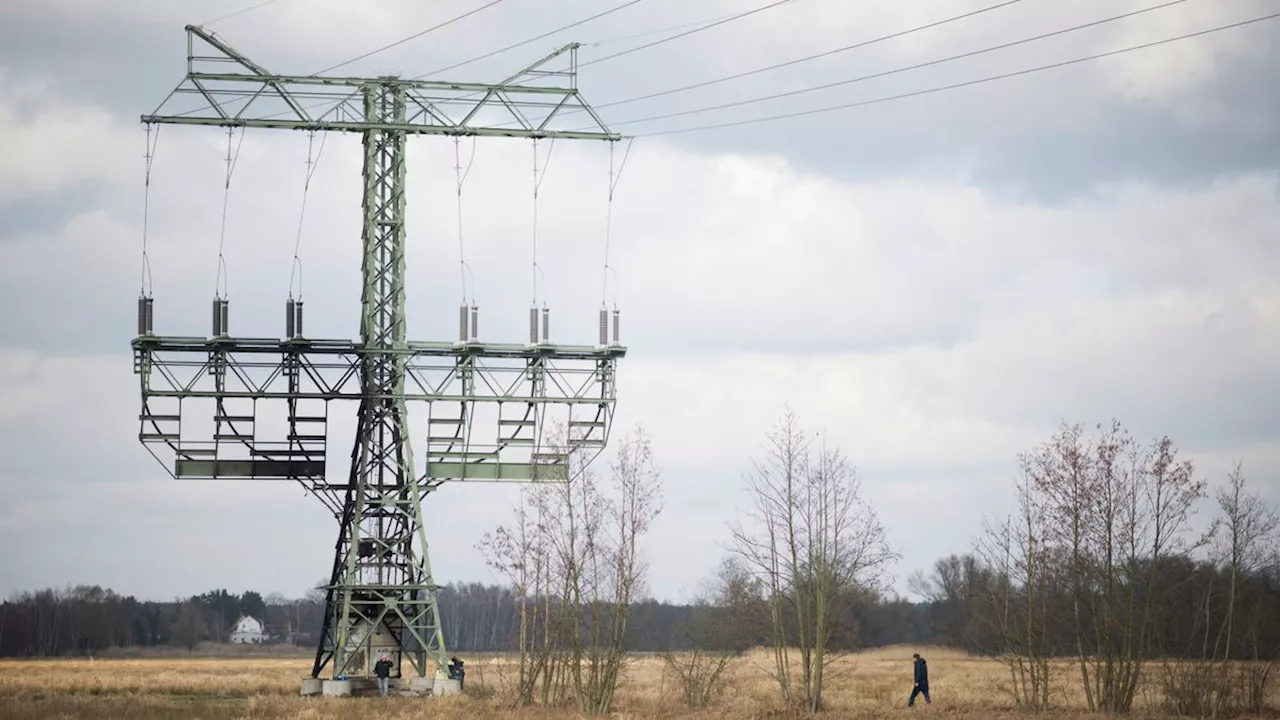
(869, 685)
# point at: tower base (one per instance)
(446, 686)
(335, 688)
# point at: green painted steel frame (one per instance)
(378, 579)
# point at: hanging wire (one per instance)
(296, 270)
(614, 179)
(226, 197)
(461, 176)
(149, 157)
(537, 182)
(240, 12)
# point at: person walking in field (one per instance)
(922, 681)
(382, 671)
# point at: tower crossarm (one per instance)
(224, 88)
(272, 369)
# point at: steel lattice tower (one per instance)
(381, 594)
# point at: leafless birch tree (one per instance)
(1117, 510)
(1018, 601)
(812, 540)
(1247, 530)
(573, 556)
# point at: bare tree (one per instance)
(573, 557)
(1017, 602)
(1248, 527)
(1117, 511)
(699, 670)
(813, 541)
(520, 552)
(611, 570)
(719, 629)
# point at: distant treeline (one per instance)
(963, 610)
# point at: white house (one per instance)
(247, 630)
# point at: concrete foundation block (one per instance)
(336, 688)
(312, 686)
(421, 685)
(445, 686)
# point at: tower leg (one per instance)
(381, 598)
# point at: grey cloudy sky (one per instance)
(936, 282)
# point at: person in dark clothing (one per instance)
(922, 681)
(382, 671)
(456, 672)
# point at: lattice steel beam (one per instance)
(254, 97)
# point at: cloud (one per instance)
(82, 133)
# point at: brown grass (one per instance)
(868, 685)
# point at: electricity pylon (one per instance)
(381, 595)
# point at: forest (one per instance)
(959, 612)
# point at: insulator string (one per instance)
(537, 183)
(461, 176)
(614, 179)
(221, 277)
(295, 271)
(149, 158)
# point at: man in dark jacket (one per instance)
(382, 671)
(922, 681)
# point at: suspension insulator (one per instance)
(616, 317)
(463, 316)
(290, 319)
(297, 322)
(533, 326)
(475, 322)
(546, 325)
(144, 316)
(604, 326)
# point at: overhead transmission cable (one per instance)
(967, 83)
(149, 158)
(522, 43)
(614, 179)
(686, 33)
(655, 31)
(238, 13)
(478, 58)
(797, 61)
(296, 270)
(407, 38)
(537, 183)
(895, 71)
(461, 176)
(808, 58)
(232, 159)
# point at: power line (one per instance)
(656, 31)
(414, 36)
(240, 12)
(686, 33)
(522, 43)
(895, 71)
(817, 56)
(967, 83)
